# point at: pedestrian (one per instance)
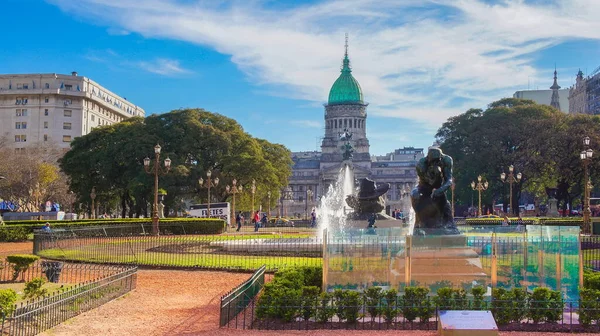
(256, 220)
(238, 221)
(313, 218)
(263, 221)
(46, 228)
(506, 221)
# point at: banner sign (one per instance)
(217, 210)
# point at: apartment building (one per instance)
(53, 109)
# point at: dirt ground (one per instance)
(15, 248)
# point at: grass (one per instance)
(20, 286)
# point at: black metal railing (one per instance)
(34, 316)
(234, 302)
(590, 249)
(230, 252)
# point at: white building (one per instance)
(545, 97)
(54, 109)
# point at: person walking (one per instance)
(263, 221)
(313, 218)
(256, 221)
(238, 221)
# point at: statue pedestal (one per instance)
(552, 207)
(430, 266)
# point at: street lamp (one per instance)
(586, 158)
(253, 189)
(234, 189)
(209, 184)
(309, 194)
(156, 170)
(286, 196)
(511, 179)
(479, 186)
(93, 197)
(269, 197)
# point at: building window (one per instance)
(300, 188)
(93, 117)
(47, 85)
(335, 122)
(22, 86)
(355, 123)
(21, 138)
(66, 138)
(20, 101)
(68, 113)
(45, 137)
(46, 112)
(45, 124)
(21, 125)
(67, 126)
(301, 199)
(21, 113)
(46, 99)
(68, 87)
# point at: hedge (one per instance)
(549, 221)
(19, 232)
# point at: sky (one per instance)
(270, 64)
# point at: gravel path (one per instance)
(15, 248)
(164, 303)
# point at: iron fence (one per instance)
(396, 315)
(37, 315)
(590, 249)
(234, 302)
(229, 252)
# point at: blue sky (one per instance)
(270, 64)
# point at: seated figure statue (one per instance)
(433, 214)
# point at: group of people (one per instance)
(256, 220)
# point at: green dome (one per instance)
(346, 89)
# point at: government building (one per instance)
(313, 172)
(53, 109)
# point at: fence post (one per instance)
(408, 261)
(325, 260)
(525, 255)
(580, 262)
(494, 260)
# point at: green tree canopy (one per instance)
(111, 159)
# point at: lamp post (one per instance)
(309, 194)
(269, 197)
(156, 170)
(479, 186)
(452, 187)
(253, 190)
(209, 183)
(510, 180)
(287, 195)
(93, 197)
(586, 158)
(234, 189)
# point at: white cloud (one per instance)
(414, 58)
(163, 66)
(306, 123)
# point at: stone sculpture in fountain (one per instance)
(432, 209)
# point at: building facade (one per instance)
(314, 172)
(53, 109)
(584, 96)
(555, 96)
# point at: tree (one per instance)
(110, 158)
(537, 139)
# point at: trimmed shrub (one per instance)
(389, 306)
(591, 280)
(372, 299)
(12, 234)
(33, 289)
(20, 263)
(589, 306)
(478, 300)
(416, 303)
(310, 296)
(545, 305)
(8, 297)
(325, 311)
(348, 304)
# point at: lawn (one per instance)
(20, 286)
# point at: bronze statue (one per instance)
(432, 209)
